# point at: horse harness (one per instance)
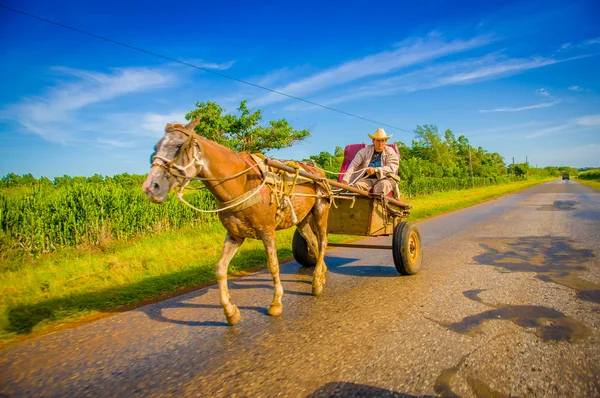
(279, 183)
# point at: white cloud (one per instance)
(199, 63)
(409, 53)
(592, 42)
(543, 92)
(64, 112)
(155, 123)
(592, 120)
(468, 71)
(575, 88)
(572, 126)
(548, 131)
(566, 46)
(522, 108)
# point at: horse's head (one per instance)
(175, 157)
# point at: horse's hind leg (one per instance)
(232, 313)
(318, 223)
(305, 229)
(269, 241)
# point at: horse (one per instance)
(247, 205)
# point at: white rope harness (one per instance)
(180, 197)
(169, 163)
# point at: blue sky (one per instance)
(520, 79)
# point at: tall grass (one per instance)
(590, 175)
(430, 185)
(44, 217)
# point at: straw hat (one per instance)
(380, 134)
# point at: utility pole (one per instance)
(471, 167)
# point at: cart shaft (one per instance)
(278, 165)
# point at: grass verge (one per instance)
(66, 288)
(590, 183)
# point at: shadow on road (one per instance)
(553, 259)
(22, 319)
(344, 266)
(354, 390)
(546, 323)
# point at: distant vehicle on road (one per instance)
(565, 176)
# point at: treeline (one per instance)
(590, 174)
(13, 180)
(434, 163)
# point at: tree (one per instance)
(430, 147)
(330, 162)
(403, 151)
(519, 169)
(243, 133)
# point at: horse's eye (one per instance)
(178, 150)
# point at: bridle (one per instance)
(167, 165)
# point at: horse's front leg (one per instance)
(232, 313)
(320, 214)
(269, 241)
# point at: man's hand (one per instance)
(371, 170)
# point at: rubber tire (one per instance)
(300, 251)
(407, 249)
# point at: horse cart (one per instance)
(248, 208)
(357, 212)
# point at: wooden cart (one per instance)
(360, 213)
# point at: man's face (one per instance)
(379, 145)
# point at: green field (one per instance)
(42, 292)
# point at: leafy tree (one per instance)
(403, 151)
(96, 179)
(45, 181)
(430, 146)
(330, 162)
(63, 181)
(519, 169)
(411, 169)
(243, 132)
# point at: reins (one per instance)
(282, 195)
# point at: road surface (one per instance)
(507, 304)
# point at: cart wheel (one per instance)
(300, 251)
(407, 249)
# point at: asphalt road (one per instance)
(507, 304)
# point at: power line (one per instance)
(195, 66)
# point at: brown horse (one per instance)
(182, 155)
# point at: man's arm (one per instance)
(357, 161)
(391, 166)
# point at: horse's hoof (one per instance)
(317, 289)
(234, 317)
(275, 309)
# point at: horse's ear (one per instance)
(192, 125)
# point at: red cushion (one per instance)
(350, 152)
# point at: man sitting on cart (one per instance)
(375, 166)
